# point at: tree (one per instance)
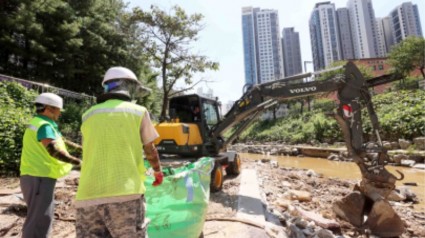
(408, 55)
(170, 36)
(68, 43)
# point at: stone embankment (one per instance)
(401, 153)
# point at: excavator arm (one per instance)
(353, 93)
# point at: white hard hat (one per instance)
(119, 73)
(50, 99)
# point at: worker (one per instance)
(110, 198)
(44, 159)
(196, 114)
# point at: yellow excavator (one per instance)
(195, 129)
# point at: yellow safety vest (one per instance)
(112, 151)
(35, 159)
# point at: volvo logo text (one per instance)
(303, 90)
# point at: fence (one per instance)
(40, 87)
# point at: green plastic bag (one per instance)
(177, 208)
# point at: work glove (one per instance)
(159, 176)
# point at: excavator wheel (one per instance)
(234, 167)
(217, 177)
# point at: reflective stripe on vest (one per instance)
(35, 160)
(112, 151)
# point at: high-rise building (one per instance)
(262, 47)
(405, 21)
(380, 38)
(324, 35)
(291, 52)
(345, 38)
(363, 28)
(384, 24)
(249, 31)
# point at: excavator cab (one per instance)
(187, 133)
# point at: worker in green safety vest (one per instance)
(110, 198)
(44, 159)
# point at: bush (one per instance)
(16, 110)
(401, 115)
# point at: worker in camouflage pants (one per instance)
(110, 198)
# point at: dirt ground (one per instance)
(275, 182)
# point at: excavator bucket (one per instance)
(350, 208)
(383, 221)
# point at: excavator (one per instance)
(192, 135)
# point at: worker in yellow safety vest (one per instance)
(44, 159)
(110, 198)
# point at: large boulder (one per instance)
(419, 143)
(404, 144)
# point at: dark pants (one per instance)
(38, 195)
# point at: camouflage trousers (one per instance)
(123, 219)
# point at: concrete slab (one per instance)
(250, 206)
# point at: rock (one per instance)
(274, 164)
(419, 166)
(294, 232)
(339, 144)
(400, 157)
(318, 219)
(387, 145)
(333, 156)
(301, 196)
(408, 193)
(396, 197)
(311, 173)
(283, 203)
(324, 233)
(286, 184)
(404, 144)
(275, 231)
(300, 223)
(419, 143)
(408, 163)
(12, 200)
(308, 232)
(417, 158)
(395, 145)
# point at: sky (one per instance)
(221, 38)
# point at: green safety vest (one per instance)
(35, 159)
(112, 151)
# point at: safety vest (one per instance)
(35, 159)
(112, 151)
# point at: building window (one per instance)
(374, 68)
(380, 67)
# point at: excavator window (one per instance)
(210, 114)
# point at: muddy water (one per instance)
(345, 170)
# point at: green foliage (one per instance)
(408, 83)
(408, 55)
(401, 115)
(70, 119)
(69, 44)
(306, 128)
(16, 111)
(170, 34)
(366, 71)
